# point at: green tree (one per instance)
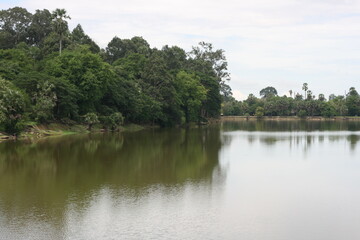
(12, 107)
(113, 121)
(119, 48)
(86, 73)
(268, 92)
(353, 102)
(14, 24)
(217, 60)
(44, 102)
(60, 25)
(191, 94)
(40, 27)
(90, 119)
(322, 97)
(259, 112)
(78, 36)
(305, 87)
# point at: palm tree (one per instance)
(305, 88)
(60, 24)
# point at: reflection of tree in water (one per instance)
(46, 173)
(353, 139)
(304, 140)
(291, 125)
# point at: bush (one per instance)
(12, 107)
(90, 119)
(113, 121)
(259, 112)
(302, 114)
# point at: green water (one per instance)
(234, 180)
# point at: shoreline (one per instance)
(288, 118)
(57, 129)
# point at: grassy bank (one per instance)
(288, 118)
(59, 129)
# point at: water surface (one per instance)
(235, 180)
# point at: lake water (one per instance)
(235, 180)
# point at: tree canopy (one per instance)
(59, 74)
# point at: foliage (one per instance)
(67, 75)
(44, 102)
(12, 107)
(287, 106)
(191, 94)
(90, 119)
(60, 25)
(259, 112)
(113, 121)
(268, 92)
(301, 113)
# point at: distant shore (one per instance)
(289, 118)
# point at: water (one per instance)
(236, 180)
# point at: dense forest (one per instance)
(270, 104)
(51, 73)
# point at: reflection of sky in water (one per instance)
(266, 185)
(293, 185)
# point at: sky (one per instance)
(278, 43)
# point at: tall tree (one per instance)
(353, 102)
(40, 27)
(14, 24)
(218, 61)
(191, 94)
(305, 88)
(78, 36)
(268, 92)
(60, 24)
(119, 48)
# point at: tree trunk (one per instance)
(60, 45)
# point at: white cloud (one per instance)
(279, 42)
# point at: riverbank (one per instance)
(59, 129)
(288, 118)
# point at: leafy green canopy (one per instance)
(63, 75)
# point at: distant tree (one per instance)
(353, 92)
(309, 95)
(298, 97)
(332, 97)
(259, 112)
(268, 92)
(322, 97)
(302, 113)
(305, 88)
(353, 102)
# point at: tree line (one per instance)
(270, 104)
(51, 73)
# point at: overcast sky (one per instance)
(279, 43)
